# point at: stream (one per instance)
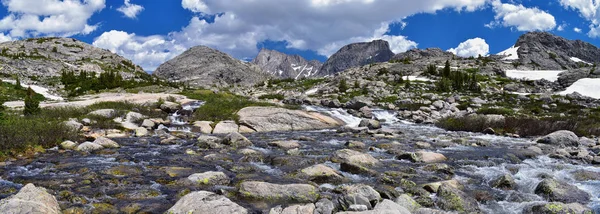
(153, 175)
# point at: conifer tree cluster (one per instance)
(456, 81)
(32, 106)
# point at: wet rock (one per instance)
(236, 140)
(371, 124)
(505, 182)
(365, 112)
(289, 144)
(123, 170)
(430, 211)
(211, 142)
(292, 161)
(203, 202)
(584, 141)
(204, 126)
(141, 132)
(324, 206)
(246, 129)
(209, 178)
(301, 193)
(266, 119)
(89, 147)
(560, 138)
(176, 171)
(126, 125)
(384, 207)
(453, 199)
(106, 143)
(354, 157)
(423, 157)
(363, 190)
(353, 144)
(358, 102)
(170, 107)
(104, 113)
(585, 175)
(407, 202)
(355, 202)
(149, 124)
(489, 131)
(322, 174)
(294, 209)
(30, 199)
(434, 187)
(557, 191)
(68, 145)
(225, 127)
(335, 103)
(558, 208)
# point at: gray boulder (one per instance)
(557, 191)
(384, 207)
(30, 199)
(89, 147)
(452, 199)
(106, 143)
(236, 140)
(203, 202)
(294, 209)
(556, 207)
(226, 127)
(301, 193)
(68, 145)
(560, 138)
(104, 113)
(209, 178)
(266, 119)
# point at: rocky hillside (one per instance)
(286, 66)
(355, 55)
(202, 66)
(43, 59)
(545, 51)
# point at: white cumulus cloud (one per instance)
(49, 17)
(521, 17)
(130, 10)
(578, 30)
(471, 47)
(320, 25)
(589, 10)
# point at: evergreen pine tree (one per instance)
(406, 83)
(446, 71)
(32, 106)
(356, 84)
(18, 83)
(343, 87)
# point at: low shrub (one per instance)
(220, 106)
(19, 134)
(272, 96)
(500, 111)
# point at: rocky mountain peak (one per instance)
(357, 54)
(415, 54)
(285, 66)
(544, 50)
(202, 66)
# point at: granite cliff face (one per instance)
(546, 51)
(286, 66)
(357, 54)
(202, 66)
(43, 59)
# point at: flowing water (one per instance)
(153, 175)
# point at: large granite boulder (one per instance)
(266, 119)
(30, 199)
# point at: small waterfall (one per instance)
(341, 114)
(177, 121)
(386, 116)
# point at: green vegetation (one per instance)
(500, 111)
(271, 96)
(9, 92)
(524, 126)
(457, 80)
(382, 71)
(220, 106)
(432, 70)
(32, 106)
(78, 84)
(343, 87)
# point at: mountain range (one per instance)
(45, 58)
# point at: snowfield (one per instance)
(510, 53)
(424, 79)
(38, 89)
(575, 59)
(534, 74)
(587, 87)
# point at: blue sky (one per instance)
(150, 32)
